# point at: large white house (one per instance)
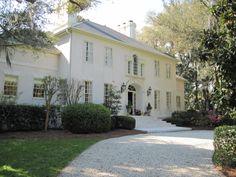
(99, 57)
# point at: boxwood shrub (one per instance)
(86, 118)
(124, 122)
(225, 146)
(21, 117)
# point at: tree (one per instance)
(51, 88)
(177, 31)
(218, 48)
(22, 22)
(112, 101)
(70, 92)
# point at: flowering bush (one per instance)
(214, 117)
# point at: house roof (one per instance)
(108, 33)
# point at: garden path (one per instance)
(172, 154)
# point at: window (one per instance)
(107, 88)
(129, 67)
(38, 91)
(108, 56)
(168, 71)
(142, 70)
(88, 92)
(135, 65)
(157, 99)
(168, 100)
(157, 68)
(10, 85)
(88, 51)
(178, 103)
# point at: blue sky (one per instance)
(114, 12)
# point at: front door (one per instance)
(132, 99)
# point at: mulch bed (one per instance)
(67, 134)
(228, 172)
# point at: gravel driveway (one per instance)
(176, 154)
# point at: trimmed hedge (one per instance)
(86, 118)
(225, 146)
(124, 122)
(21, 117)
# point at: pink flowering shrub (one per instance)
(214, 117)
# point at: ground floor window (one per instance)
(88, 92)
(178, 102)
(38, 91)
(157, 99)
(10, 85)
(107, 89)
(168, 100)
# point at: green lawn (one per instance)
(39, 157)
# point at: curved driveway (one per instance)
(176, 154)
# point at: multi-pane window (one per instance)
(157, 101)
(129, 67)
(108, 56)
(142, 70)
(38, 91)
(107, 89)
(157, 68)
(168, 100)
(10, 85)
(178, 102)
(87, 91)
(135, 65)
(168, 71)
(88, 51)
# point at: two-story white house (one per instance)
(99, 57)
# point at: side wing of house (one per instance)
(23, 79)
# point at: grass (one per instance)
(39, 157)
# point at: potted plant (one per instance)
(149, 108)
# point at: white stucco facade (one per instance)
(153, 69)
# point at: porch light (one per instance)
(123, 87)
(149, 91)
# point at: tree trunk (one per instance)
(47, 118)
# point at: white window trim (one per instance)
(90, 52)
(108, 60)
(16, 80)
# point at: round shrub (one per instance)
(225, 146)
(125, 122)
(86, 118)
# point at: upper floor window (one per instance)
(129, 67)
(10, 85)
(87, 91)
(108, 56)
(157, 68)
(168, 71)
(38, 91)
(168, 100)
(107, 89)
(157, 102)
(88, 51)
(135, 65)
(142, 70)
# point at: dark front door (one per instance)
(130, 101)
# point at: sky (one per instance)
(115, 12)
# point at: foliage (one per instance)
(113, 100)
(124, 122)
(86, 118)
(218, 47)
(21, 117)
(70, 91)
(22, 22)
(177, 31)
(27, 157)
(225, 146)
(51, 88)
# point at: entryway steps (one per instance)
(154, 125)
